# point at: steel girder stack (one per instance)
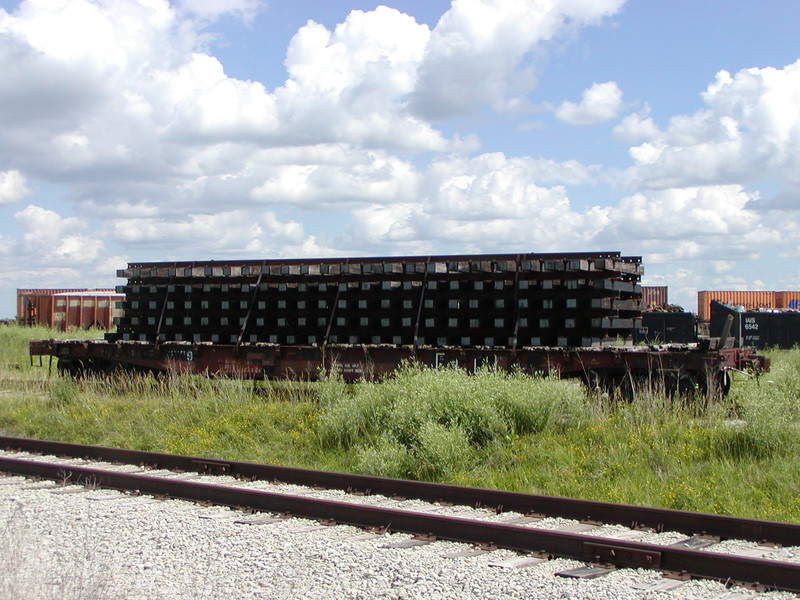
(509, 300)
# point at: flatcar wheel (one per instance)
(110, 368)
(685, 386)
(63, 365)
(71, 367)
(597, 383)
(716, 384)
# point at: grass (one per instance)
(535, 434)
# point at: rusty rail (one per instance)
(659, 519)
(772, 574)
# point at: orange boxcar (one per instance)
(654, 295)
(788, 299)
(68, 308)
(748, 299)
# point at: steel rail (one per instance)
(723, 567)
(659, 519)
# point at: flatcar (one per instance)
(573, 314)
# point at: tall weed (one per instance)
(442, 419)
(442, 450)
(64, 391)
(385, 457)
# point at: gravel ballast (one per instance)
(74, 542)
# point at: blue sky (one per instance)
(146, 130)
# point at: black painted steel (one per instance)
(772, 574)
(504, 300)
(666, 328)
(726, 527)
(757, 329)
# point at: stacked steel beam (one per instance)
(574, 299)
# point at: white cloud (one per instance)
(483, 52)
(723, 266)
(489, 201)
(12, 187)
(735, 283)
(227, 233)
(49, 239)
(647, 153)
(349, 84)
(139, 101)
(208, 105)
(106, 268)
(364, 177)
(569, 172)
(682, 282)
(142, 116)
(77, 249)
(601, 102)
(636, 126)
(43, 225)
(376, 51)
(749, 130)
(687, 213)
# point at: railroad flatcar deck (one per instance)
(675, 367)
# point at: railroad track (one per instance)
(604, 536)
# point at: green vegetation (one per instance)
(14, 360)
(535, 434)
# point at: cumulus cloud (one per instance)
(350, 84)
(208, 105)
(107, 268)
(495, 203)
(489, 201)
(12, 187)
(723, 266)
(601, 102)
(686, 212)
(359, 177)
(234, 232)
(749, 129)
(636, 127)
(482, 52)
(707, 222)
(121, 92)
(121, 97)
(50, 239)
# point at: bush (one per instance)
(439, 419)
(385, 458)
(442, 451)
(350, 421)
